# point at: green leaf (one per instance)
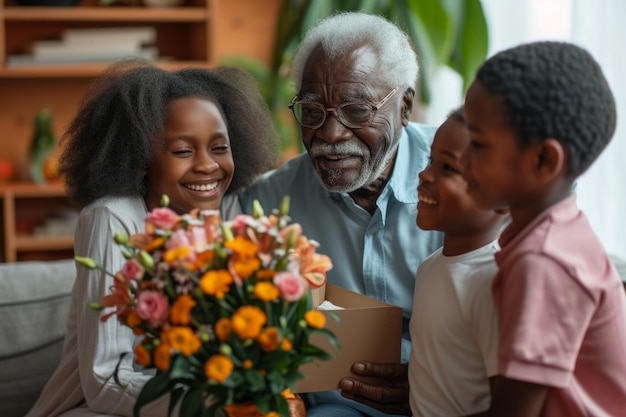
(255, 380)
(473, 43)
(277, 382)
(192, 403)
(175, 396)
(432, 23)
(153, 389)
(281, 406)
(181, 368)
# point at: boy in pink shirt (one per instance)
(539, 115)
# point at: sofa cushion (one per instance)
(34, 304)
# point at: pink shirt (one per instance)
(562, 312)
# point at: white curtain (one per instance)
(598, 26)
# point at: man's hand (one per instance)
(390, 394)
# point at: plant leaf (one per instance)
(153, 389)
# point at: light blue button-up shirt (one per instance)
(376, 255)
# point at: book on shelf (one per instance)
(60, 49)
(23, 60)
(90, 45)
(142, 35)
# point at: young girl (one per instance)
(539, 115)
(197, 135)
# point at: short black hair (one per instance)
(457, 114)
(111, 141)
(554, 90)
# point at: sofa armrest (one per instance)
(35, 298)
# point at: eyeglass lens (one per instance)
(312, 114)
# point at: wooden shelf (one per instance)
(105, 14)
(30, 189)
(198, 34)
(43, 243)
(83, 70)
(26, 206)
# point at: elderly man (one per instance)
(354, 190)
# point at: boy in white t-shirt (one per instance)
(454, 327)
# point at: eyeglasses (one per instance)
(353, 115)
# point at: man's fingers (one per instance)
(354, 388)
(392, 371)
(398, 408)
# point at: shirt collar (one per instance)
(403, 183)
(561, 212)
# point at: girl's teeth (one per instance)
(203, 187)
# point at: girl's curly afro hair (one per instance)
(111, 141)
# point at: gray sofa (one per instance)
(34, 303)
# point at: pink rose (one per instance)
(239, 225)
(291, 286)
(132, 270)
(198, 238)
(162, 218)
(152, 307)
(178, 239)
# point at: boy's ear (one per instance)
(407, 106)
(550, 159)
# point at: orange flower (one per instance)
(180, 309)
(244, 266)
(313, 265)
(287, 393)
(268, 339)
(142, 356)
(182, 339)
(176, 254)
(119, 298)
(134, 322)
(315, 319)
(218, 368)
(266, 291)
(242, 247)
(216, 283)
(162, 357)
(265, 273)
(286, 345)
(223, 329)
(204, 258)
(152, 245)
(246, 410)
(244, 261)
(247, 364)
(247, 321)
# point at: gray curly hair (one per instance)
(343, 32)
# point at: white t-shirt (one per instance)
(454, 334)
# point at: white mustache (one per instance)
(320, 148)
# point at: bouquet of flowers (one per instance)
(223, 308)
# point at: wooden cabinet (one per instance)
(198, 33)
(37, 222)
